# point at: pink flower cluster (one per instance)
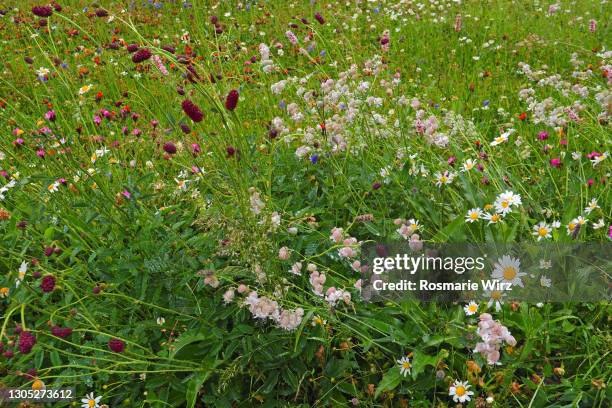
(493, 334)
(317, 279)
(350, 245)
(333, 295)
(266, 308)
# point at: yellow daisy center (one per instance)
(542, 231)
(495, 217)
(571, 226)
(509, 272)
(91, 403)
(406, 365)
(443, 179)
(474, 215)
(505, 204)
(460, 390)
(496, 295)
(472, 308)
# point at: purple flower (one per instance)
(116, 345)
(141, 55)
(26, 341)
(169, 148)
(61, 332)
(48, 283)
(50, 115)
(232, 100)
(543, 135)
(192, 111)
(42, 11)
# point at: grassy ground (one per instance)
(134, 238)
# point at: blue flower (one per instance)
(314, 158)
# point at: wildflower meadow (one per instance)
(188, 189)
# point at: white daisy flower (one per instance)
(468, 165)
(495, 297)
(23, 268)
(413, 225)
(507, 269)
(460, 391)
(502, 138)
(42, 71)
(598, 159)
(542, 231)
(444, 178)
(405, 366)
(84, 89)
(493, 218)
(90, 401)
(575, 223)
(471, 308)
(502, 206)
(53, 187)
(599, 224)
(473, 215)
(544, 264)
(591, 206)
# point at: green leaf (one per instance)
(447, 232)
(421, 360)
(389, 381)
(186, 339)
(194, 387)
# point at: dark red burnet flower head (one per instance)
(232, 100)
(319, 18)
(192, 110)
(141, 55)
(47, 283)
(131, 48)
(42, 11)
(116, 345)
(26, 341)
(61, 332)
(169, 148)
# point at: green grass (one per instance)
(151, 253)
